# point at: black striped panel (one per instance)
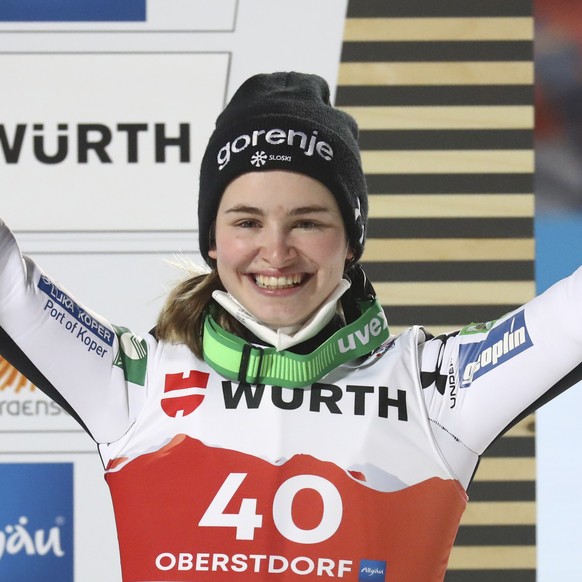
(394, 95)
(425, 92)
(449, 183)
(459, 51)
(451, 139)
(449, 271)
(496, 535)
(450, 228)
(428, 8)
(502, 491)
(513, 447)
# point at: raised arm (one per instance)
(68, 351)
(490, 375)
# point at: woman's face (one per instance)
(281, 245)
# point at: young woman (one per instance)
(269, 428)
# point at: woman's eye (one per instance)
(247, 223)
(306, 224)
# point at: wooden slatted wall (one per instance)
(443, 93)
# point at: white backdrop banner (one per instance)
(105, 111)
(105, 141)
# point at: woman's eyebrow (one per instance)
(308, 210)
(244, 208)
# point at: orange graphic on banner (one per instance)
(11, 378)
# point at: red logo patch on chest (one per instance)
(183, 394)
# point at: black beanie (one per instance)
(284, 121)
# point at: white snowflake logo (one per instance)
(259, 159)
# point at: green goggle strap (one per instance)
(238, 360)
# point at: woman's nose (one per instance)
(277, 247)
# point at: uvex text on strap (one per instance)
(238, 360)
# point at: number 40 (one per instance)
(247, 519)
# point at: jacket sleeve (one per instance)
(484, 378)
(71, 353)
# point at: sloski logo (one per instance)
(184, 394)
(259, 159)
(502, 343)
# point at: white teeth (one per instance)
(277, 282)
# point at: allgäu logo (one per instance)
(372, 571)
(36, 523)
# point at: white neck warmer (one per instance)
(284, 337)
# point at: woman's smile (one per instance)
(273, 283)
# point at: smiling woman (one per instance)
(279, 234)
(269, 426)
(281, 246)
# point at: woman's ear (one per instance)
(212, 241)
(350, 254)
